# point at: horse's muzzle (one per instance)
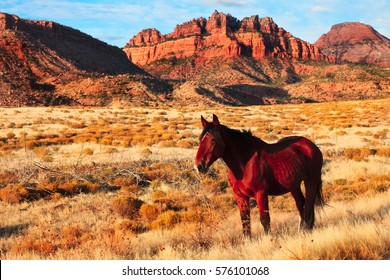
(201, 167)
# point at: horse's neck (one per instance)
(238, 153)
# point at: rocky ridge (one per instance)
(222, 35)
(38, 58)
(355, 42)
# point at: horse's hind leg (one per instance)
(311, 187)
(300, 203)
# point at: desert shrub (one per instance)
(167, 143)
(186, 143)
(381, 134)
(11, 125)
(76, 125)
(127, 205)
(362, 186)
(75, 187)
(7, 177)
(10, 135)
(31, 144)
(383, 152)
(210, 185)
(127, 184)
(41, 247)
(146, 152)
(340, 182)
(14, 193)
(172, 171)
(56, 196)
(72, 236)
(223, 202)
(88, 151)
(50, 187)
(166, 220)
(43, 153)
(157, 196)
(358, 154)
(149, 212)
(111, 150)
(167, 136)
(128, 227)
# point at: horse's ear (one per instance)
(215, 120)
(204, 122)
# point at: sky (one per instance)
(116, 22)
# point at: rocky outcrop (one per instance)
(39, 58)
(8, 21)
(190, 28)
(79, 49)
(355, 42)
(146, 37)
(220, 35)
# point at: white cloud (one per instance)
(320, 9)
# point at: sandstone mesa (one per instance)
(355, 42)
(222, 35)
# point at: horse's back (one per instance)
(301, 145)
(290, 161)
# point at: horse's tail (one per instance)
(320, 197)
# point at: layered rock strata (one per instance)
(222, 35)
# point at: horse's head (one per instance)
(211, 145)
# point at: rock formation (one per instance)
(220, 35)
(355, 42)
(38, 58)
(84, 52)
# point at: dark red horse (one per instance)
(258, 169)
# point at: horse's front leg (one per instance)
(262, 203)
(245, 213)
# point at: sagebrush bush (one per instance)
(358, 154)
(127, 205)
(44, 248)
(70, 236)
(88, 151)
(165, 220)
(74, 186)
(383, 152)
(149, 212)
(14, 193)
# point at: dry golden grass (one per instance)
(110, 183)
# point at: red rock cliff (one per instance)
(355, 42)
(8, 21)
(220, 35)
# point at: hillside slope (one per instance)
(355, 42)
(38, 58)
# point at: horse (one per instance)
(258, 169)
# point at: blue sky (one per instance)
(115, 22)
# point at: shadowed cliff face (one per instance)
(222, 35)
(81, 50)
(45, 63)
(355, 42)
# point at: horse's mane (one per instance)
(241, 136)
